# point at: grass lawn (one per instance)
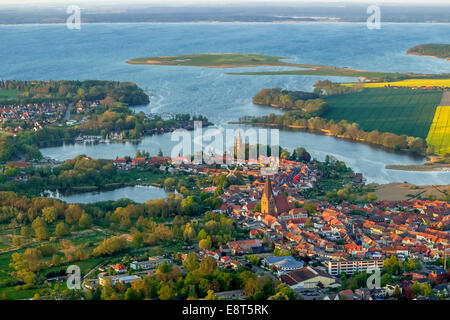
(400, 111)
(13, 294)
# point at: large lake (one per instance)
(99, 51)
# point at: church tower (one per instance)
(238, 144)
(268, 199)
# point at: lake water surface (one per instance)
(99, 51)
(138, 194)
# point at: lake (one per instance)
(99, 51)
(138, 194)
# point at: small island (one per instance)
(236, 60)
(432, 50)
(215, 60)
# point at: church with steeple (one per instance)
(273, 204)
(238, 144)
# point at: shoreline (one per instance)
(325, 132)
(427, 56)
(220, 22)
(425, 167)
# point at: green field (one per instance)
(9, 94)
(400, 111)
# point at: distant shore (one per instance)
(215, 22)
(421, 55)
(325, 132)
(434, 167)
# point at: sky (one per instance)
(209, 2)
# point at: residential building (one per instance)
(307, 278)
(349, 267)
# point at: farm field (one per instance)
(407, 83)
(439, 135)
(9, 94)
(400, 111)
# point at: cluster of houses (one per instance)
(36, 115)
(121, 271)
(343, 238)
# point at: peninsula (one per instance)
(432, 50)
(235, 60)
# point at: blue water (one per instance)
(99, 51)
(139, 194)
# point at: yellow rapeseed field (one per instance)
(439, 135)
(408, 83)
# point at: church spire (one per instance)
(268, 199)
(268, 192)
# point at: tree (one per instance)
(202, 235)
(426, 289)
(25, 232)
(308, 223)
(212, 227)
(169, 183)
(250, 287)
(411, 265)
(283, 292)
(85, 221)
(16, 241)
(138, 239)
(73, 213)
(42, 233)
(211, 295)
(416, 288)
(189, 233)
(372, 197)
(166, 293)
(392, 265)
(205, 243)
(110, 246)
(131, 294)
(107, 289)
(208, 265)
(50, 214)
(29, 277)
(191, 263)
(386, 279)
(62, 229)
(192, 295)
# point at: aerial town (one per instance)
(315, 247)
